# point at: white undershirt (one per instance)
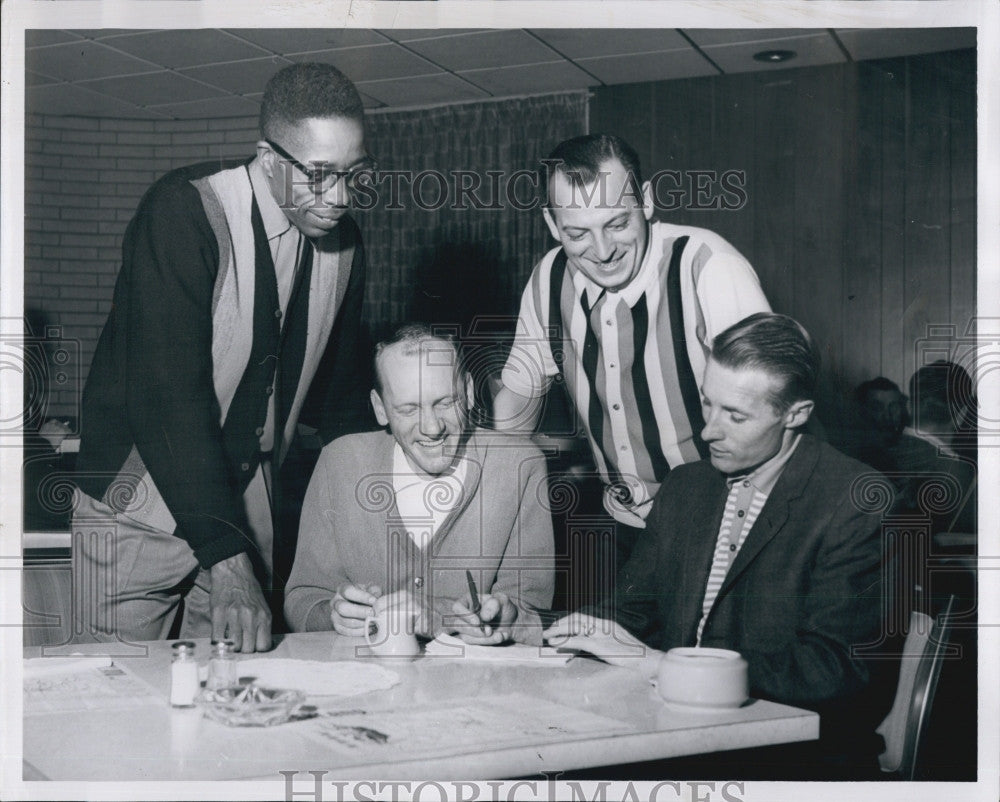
(424, 502)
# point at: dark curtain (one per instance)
(452, 265)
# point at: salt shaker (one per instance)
(184, 682)
(222, 666)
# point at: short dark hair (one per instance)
(305, 90)
(776, 344)
(879, 384)
(580, 160)
(413, 334)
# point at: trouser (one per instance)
(129, 577)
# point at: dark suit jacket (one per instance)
(805, 587)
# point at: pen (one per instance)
(476, 606)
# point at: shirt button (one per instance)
(277, 313)
(740, 513)
(616, 406)
(268, 390)
(609, 322)
(259, 431)
(732, 547)
(624, 448)
(245, 466)
(418, 581)
(746, 484)
(611, 364)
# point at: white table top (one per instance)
(159, 742)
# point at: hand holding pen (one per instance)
(486, 619)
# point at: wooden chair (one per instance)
(923, 654)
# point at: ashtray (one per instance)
(251, 705)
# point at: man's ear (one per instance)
(550, 221)
(648, 207)
(470, 391)
(797, 414)
(379, 409)
(266, 156)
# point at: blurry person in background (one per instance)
(882, 411)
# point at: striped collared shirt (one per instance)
(747, 496)
(633, 359)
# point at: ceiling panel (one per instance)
(577, 43)
(415, 34)
(373, 63)
(869, 44)
(810, 51)
(108, 33)
(530, 79)
(704, 37)
(34, 79)
(187, 48)
(211, 107)
(651, 66)
(82, 60)
(425, 90)
(157, 87)
(38, 36)
(480, 50)
(218, 72)
(70, 100)
(302, 40)
(239, 77)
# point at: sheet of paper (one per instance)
(97, 685)
(451, 646)
(464, 725)
(316, 678)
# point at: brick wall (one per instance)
(83, 180)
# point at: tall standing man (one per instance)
(626, 309)
(233, 284)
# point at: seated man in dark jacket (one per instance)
(765, 549)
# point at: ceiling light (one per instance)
(774, 56)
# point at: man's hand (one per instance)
(350, 605)
(239, 610)
(492, 626)
(605, 639)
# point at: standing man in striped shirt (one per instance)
(625, 310)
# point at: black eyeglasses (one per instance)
(321, 178)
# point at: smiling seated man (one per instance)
(395, 518)
(760, 549)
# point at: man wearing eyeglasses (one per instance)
(238, 286)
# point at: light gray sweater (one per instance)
(351, 531)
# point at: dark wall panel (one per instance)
(860, 183)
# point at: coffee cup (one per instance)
(390, 634)
(703, 678)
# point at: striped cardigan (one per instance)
(195, 297)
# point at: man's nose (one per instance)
(337, 194)
(431, 423)
(604, 247)
(711, 432)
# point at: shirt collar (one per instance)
(275, 221)
(765, 476)
(646, 276)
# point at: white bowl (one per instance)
(703, 678)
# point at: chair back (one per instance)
(923, 655)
